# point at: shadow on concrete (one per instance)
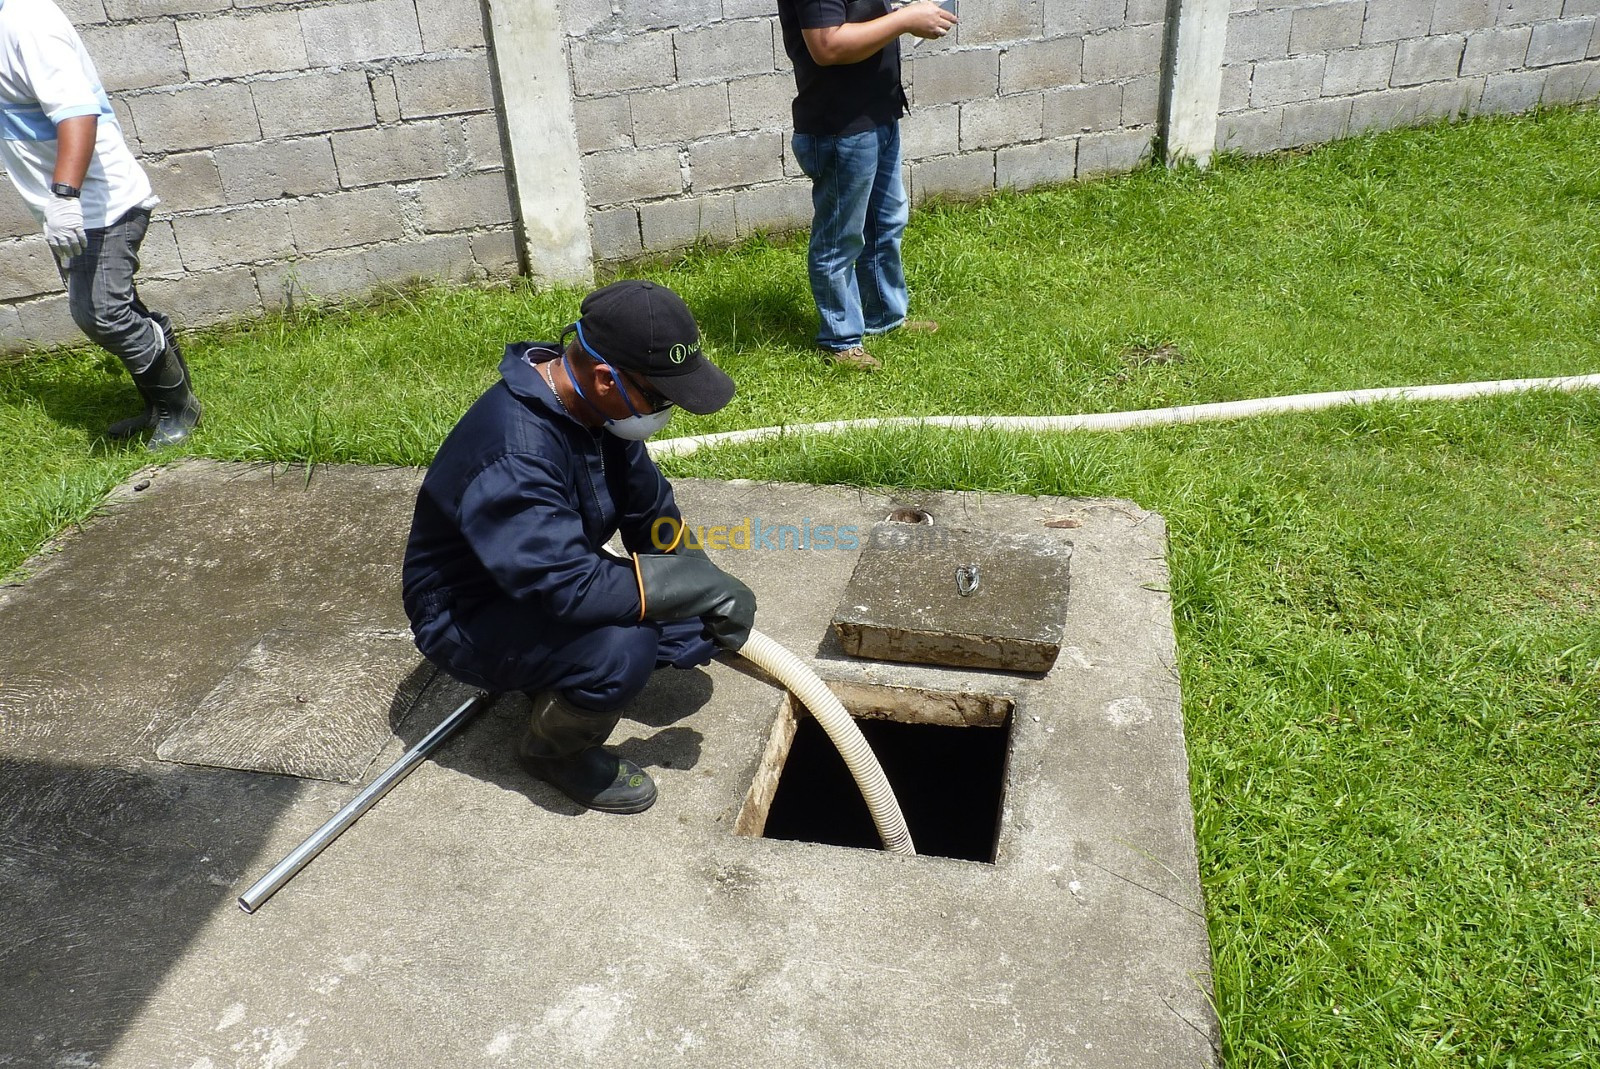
(650, 733)
(107, 875)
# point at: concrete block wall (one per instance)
(683, 120)
(299, 147)
(1299, 72)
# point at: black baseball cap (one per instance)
(647, 329)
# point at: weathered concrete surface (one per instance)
(475, 917)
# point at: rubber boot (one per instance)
(127, 428)
(562, 747)
(177, 410)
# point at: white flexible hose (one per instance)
(795, 674)
(1149, 417)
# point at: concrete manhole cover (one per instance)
(304, 703)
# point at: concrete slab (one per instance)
(477, 918)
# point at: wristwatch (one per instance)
(61, 189)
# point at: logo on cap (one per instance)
(679, 353)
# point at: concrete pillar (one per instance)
(1195, 86)
(542, 135)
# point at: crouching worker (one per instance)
(506, 581)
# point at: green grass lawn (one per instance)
(1388, 618)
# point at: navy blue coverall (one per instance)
(506, 582)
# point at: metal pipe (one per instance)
(300, 856)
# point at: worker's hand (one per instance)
(677, 586)
(63, 228)
(927, 19)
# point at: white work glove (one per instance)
(63, 227)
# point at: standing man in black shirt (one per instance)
(846, 56)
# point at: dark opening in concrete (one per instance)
(945, 756)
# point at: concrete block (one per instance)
(1462, 16)
(385, 98)
(158, 253)
(1358, 70)
(1235, 92)
(1002, 121)
(495, 252)
(1594, 43)
(1574, 8)
(1572, 84)
(1493, 51)
(361, 32)
(83, 13)
(448, 24)
(1082, 16)
(955, 77)
(1250, 132)
(270, 170)
(747, 9)
(1326, 27)
(631, 174)
(614, 234)
(931, 132)
(738, 160)
(1284, 81)
(1562, 41)
(469, 203)
(45, 322)
(202, 117)
(125, 123)
(1050, 64)
(1427, 59)
(343, 220)
(1142, 12)
(136, 56)
(10, 330)
(444, 86)
(313, 103)
(485, 147)
(778, 208)
(637, 61)
(27, 269)
(234, 46)
(1040, 164)
(1141, 100)
(1448, 100)
(1314, 122)
(986, 22)
(1387, 110)
(580, 18)
(129, 10)
(1522, 12)
(439, 258)
(603, 122)
(956, 177)
(679, 113)
(16, 221)
(724, 50)
(1258, 36)
(1116, 152)
(234, 236)
(674, 224)
(333, 276)
(186, 181)
(401, 153)
(658, 14)
(1397, 20)
(204, 300)
(1511, 93)
(1082, 109)
(762, 102)
(1122, 53)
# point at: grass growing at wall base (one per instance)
(1388, 619)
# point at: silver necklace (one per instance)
(551, 382)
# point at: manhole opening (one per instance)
(944, 754)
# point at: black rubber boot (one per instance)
(127, 428)
(562, 747)
(174, 408)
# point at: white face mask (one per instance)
(638, 428)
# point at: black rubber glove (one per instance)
(677, 586)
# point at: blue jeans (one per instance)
(103, 299)
(859, 210)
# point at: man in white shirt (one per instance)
(62, 146)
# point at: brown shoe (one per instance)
(919, 326)
(855, 357)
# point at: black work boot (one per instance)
(562, 747)
(127, 428)
(175, 411)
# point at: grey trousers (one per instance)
(103, 299)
